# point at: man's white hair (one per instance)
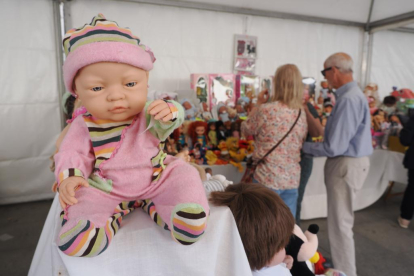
(341, 60)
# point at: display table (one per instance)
(143, 248)
(385, 166)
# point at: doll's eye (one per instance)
(131, 84)
(96, 89)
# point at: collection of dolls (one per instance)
(215, 142)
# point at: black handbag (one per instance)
(251, 165)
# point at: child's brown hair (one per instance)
(264, 221)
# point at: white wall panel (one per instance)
(189, 41)
(29, 108)
(392, 61)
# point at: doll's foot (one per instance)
(403, 222)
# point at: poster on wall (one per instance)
(245, 54)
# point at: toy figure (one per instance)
(222, 112)
(372, 105)
(197, 133)
(189, 109)
(235, 129)
(227, 126)
(112, 156)
(371, 90)
(236, 156)
(224, 153)
(221, 131)
(204, 113)
(212, 134)
(327, 107)
(201, 90)
(232, 114)
(302, 247)
(240, 107)
(324, 120)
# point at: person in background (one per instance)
(407, 204)
(269, 122)
(315, 129)
(347, 144)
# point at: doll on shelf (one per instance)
(235, 129)
(327, 108)
(212, 134)
(102, 171)
(198, 133)
(232, 114)
(222, 112)
(372, 105)
(189, 110)
(221, 132)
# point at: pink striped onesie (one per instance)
(134, 169)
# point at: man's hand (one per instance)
(160, 110)
(68, 187)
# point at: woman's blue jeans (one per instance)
(290, 197)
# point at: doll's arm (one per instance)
(161, 129)
(309, 247)
(75, 156)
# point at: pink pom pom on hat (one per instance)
(102, 41)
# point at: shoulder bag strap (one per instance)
(281, 140)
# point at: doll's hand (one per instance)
(160, 110)
(288, 261)
(68, 187)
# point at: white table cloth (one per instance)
(142, 248)
(385, 166)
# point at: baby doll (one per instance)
(197, 133)
(189, 109)
(327, 108)
(112, 156)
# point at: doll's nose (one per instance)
(115, 95)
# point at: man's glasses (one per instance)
(324, 71)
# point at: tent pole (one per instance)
(57, 18)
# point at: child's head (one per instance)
(264, 222)
(107, 68)
(209, 170)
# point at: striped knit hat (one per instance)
(102, 40)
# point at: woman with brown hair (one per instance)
(269, 122)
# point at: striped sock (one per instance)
(149, 207)
(85, 240)
(189, 221)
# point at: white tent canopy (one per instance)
(186, 37)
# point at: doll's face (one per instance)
(223, 109)
(328, 109)
(199, 130)
(187, 105)
(212, 127)
(112, 91)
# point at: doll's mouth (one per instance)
(118, 109)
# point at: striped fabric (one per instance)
(105, 136)
(85, 240)
(158, 162)
(173, 109)
(100, 29)
(189, 222)
(68, 173)
(149, 207)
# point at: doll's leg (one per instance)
(89, 226)
(182, 204)
(149, 207)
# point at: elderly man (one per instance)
(347, 144)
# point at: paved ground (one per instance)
(382, 247)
